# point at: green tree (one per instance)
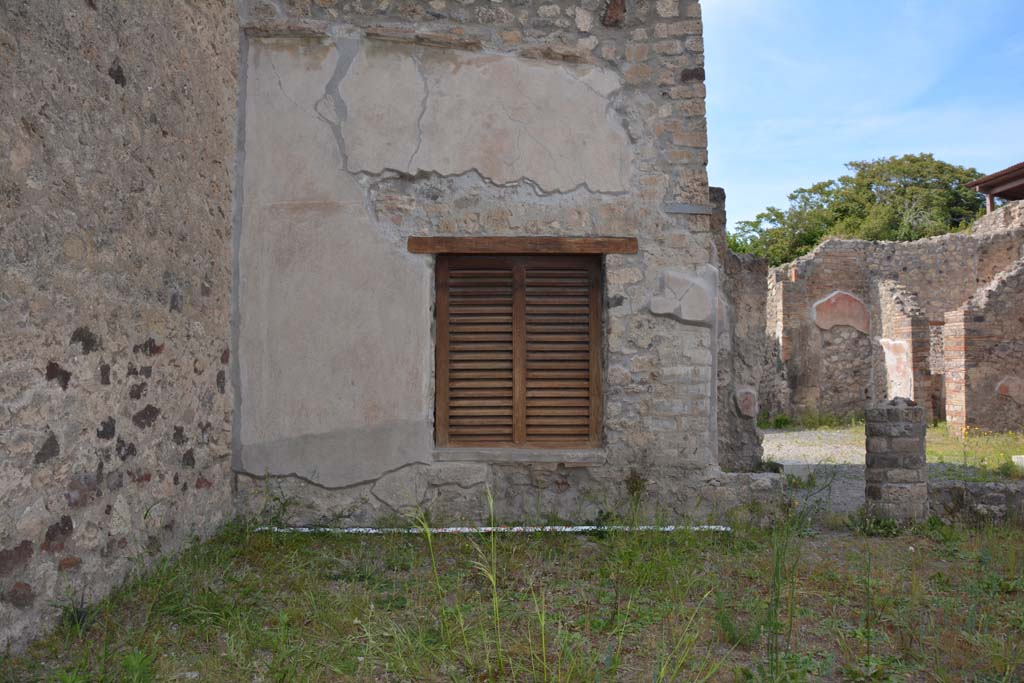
(899, 198)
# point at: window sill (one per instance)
(526, 456)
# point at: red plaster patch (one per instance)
(841, 308)
(1012, 388)
(68, 563)
(746, 401)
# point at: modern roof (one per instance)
(1006, 184)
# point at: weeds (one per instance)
(974, 454)
(786, 604)
(864, 524)
(487, 566)
(138, 667)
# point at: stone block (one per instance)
(875, 414)
(874, 475)
(906, 444)
(882, 461)
(684, 296)
(879, 429)
(877, 444)
(904, 476)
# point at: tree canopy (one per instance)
(898, 198)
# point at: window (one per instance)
(518, 350)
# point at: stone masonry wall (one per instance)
(837, 284)
(367, 122)
(904, 341)
(984, 355)
(742, 348)
(117, 128)
(1006, 217)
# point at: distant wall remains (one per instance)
(984, 355)
(825, 359)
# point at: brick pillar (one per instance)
(896, 478)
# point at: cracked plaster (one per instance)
(451, 112)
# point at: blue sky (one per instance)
(796, 88)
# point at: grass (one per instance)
(977, 455)
(788, 603)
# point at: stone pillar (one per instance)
(896, 478)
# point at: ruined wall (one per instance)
(838, 283)
(366, 123)
(1006, 217)
(984, 354)
(743, 351)
(822, 329)
(116, 153)
(905, 342)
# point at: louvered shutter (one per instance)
(518, 351)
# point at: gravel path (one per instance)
(834, 457)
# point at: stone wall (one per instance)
(117, 131)
(984, 357)
(1006, 217)
(742, 348)
(838, 284)
(974, 502)
(367, 123)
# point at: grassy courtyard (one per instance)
(977, 453)
(790, 604)
(973, 455)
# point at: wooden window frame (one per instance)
(519, 263)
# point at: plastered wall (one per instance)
(366, 125)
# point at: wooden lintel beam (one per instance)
(523, 245)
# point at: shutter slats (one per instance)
(477, 329)
(558, 343)
(517, 351)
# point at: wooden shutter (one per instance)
(518, 351)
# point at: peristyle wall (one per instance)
(367, 124)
